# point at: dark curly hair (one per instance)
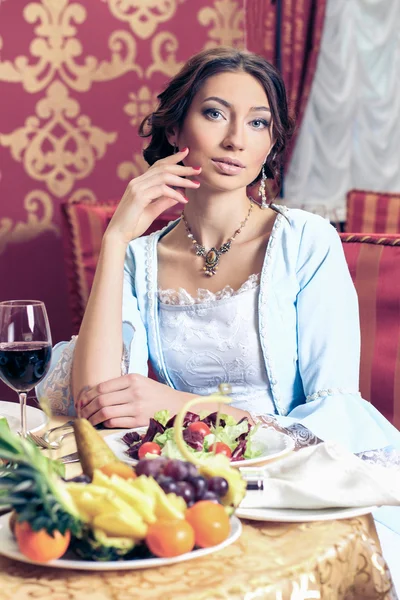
(177, 97)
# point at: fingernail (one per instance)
(184, 149)
(197, 168)
(186, 199)
(196, 182)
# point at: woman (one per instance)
(257, 296)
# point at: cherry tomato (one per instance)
(167, 538)
(221, 448)
(40, 545)
(200, 427)
(149, 448)
(210, 523)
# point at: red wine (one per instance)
(23, 365)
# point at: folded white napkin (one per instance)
(323, 476)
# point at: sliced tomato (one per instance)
(149, 448)
(221, 448)
(200, 427)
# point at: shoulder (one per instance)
(306, 231)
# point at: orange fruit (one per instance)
(210, 523)
(167, 538)
(40, 546)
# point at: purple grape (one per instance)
(186, 491)
(167, 484)
(199, 484)
(192, 470)
(176, 469)
(218, 485)
(151, 467)
(210, 496)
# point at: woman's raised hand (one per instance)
(150, 194)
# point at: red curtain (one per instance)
(288, 34)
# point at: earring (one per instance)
(175, 148)
(263, 195)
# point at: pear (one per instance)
(93, 451)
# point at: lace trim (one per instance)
(182, 298)
(331, 392)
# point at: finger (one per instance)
(122, 423)
(170, 179)
(106, 387)
(162, 191)
(113, 398)
(174, 158)
(176, 170)
(111, 412)
(156, 208)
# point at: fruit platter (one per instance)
(114, 515)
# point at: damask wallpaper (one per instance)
(76, 78)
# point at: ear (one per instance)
(172, 136)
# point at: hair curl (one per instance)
(175, 100)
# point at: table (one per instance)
(321, 560)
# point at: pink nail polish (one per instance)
(196, 182)
(184, 149)
(197, 168)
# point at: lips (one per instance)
(229, 161)
(227, 166)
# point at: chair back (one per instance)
(374, 264)
(83, 224)
(373, 212)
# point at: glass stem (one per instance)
(22, 403)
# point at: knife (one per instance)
(69, 458)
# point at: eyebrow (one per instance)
(228, 105)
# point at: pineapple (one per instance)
(31, 484)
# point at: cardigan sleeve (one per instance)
(328, 339)
(56, 386)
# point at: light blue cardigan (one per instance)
(308, 326)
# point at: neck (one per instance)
(214, 218)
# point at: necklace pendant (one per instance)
(211, 262)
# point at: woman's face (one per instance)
(228, 130)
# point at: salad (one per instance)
(204, 435)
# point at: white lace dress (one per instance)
(213, 339)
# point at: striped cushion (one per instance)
(373, 212)
(374, 263)
(83, 226)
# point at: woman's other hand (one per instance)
(128, 401)
(147, 196)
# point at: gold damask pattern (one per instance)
(130, 169)
(39, 209)
(143, 16)
(334, 560)
(141, 104)
(57, 49)
(59, 145)
(227, 20)
(164, 47)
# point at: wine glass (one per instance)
(25, 347)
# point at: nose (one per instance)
(235, 136)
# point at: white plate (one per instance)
(292, 515)
(35, 418)
(273, 444)
(9, 548)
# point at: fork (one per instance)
(67, 425)
(42, 443)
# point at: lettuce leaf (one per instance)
(162, 416)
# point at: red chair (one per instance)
(374, 263)
(83, 224)
(373, 212)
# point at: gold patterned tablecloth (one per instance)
(330, 560)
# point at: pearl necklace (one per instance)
(212, 256)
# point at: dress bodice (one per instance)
(213, 339)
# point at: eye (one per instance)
(213, 113)
(260, 123)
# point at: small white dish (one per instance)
(35, 417)
(294, 515)
(273, 445)
(9, 548)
